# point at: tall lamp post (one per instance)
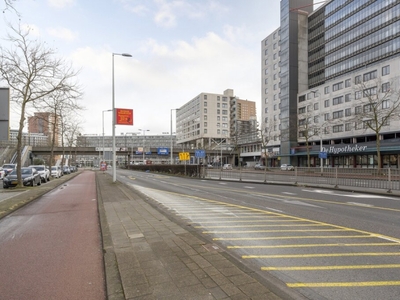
(102, 120)
(144, 141)
(114, 158)
(172, 144)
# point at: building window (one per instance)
(218, 125)
(358, 95)
(218, 98)
(224, 99)
(337, 100)
(369, 92)
(357, 110)
(326, 117)
(224, 112)
(266, 100)
(347, 127)
(218, 105)
(274, 106)
(347, 98)
(266, 120)
(205, 118)
(266, 90)
(205, 130)
(302, 98)
(218, 118)
(347, 83)
(224, 105)
(316, 106)
(368, 108)
(385, 104)
(266, 61)
(218, 111)
(358, 125)
(316, 119)
(337, 114)
(366, 124)
(337, 86)
(205, 103)
(266, 110)
(326, 103)
(205, 124)
(370, 75)
(385, 87)
(205, 110)
(224, 119)
(385, 70)
(337, 128)
(347, 112)
(205, 97)
(218, 131)
(357, 79)
(326, 90)
(275, 96)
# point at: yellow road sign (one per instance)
(184, 156)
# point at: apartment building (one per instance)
(337, 66)
(211, 121)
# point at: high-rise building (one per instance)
(210, 119)
(323, 71)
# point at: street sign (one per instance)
(323, 155)
(200, 153)
(184, 155)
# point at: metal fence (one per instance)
(386, 179)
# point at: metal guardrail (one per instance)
(385, 179)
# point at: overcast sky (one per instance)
(179, 48)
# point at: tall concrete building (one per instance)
(323, 72)
(210, 119)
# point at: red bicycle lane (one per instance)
(51, 248)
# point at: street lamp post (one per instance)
(102, 120)
(172, 144)
(114, 158)
(144, 141)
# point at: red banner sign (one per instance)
(124, 116)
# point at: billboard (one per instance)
(163, 151)
(4, 113)
(124, 116)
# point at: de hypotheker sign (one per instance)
(344, 149)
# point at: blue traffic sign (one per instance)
(200, 153)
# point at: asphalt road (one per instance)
(323, 244)
(51, 248)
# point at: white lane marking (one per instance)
(360, 204)
(273, 209)
(223, 183)
(301, 203)
(248, 187)
(352, 195)
(287, 193)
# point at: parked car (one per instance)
(43, 171)
(66, 170)
(287, 167)
(56, 171)
(8, 168)
(30, 177)
(2, 173)
(259, 167)
(210, 166)
(227, 167)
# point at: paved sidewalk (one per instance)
(147, 256)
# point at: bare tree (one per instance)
(32, 72)
(267, 135)
(308, 127)
(377, 103)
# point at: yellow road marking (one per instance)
(318, 268)
(281, 214)
(297, 237)
(278, 230)
(322, 255)
(344, 284)
(314, 245)
(262, 225)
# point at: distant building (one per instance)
(4, 114)
(31, 139)
(43, 123)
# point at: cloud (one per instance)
(62, 33)
(60, 3)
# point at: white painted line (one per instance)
(287, 193)
(360, 204)
(249, 187)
